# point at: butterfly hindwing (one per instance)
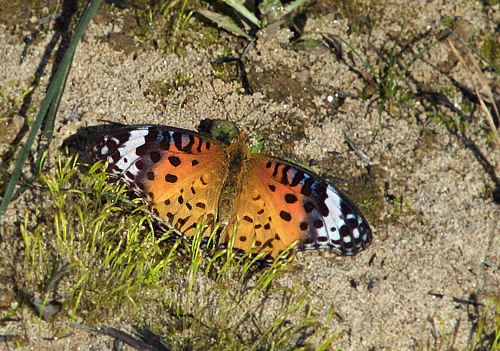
(180, 172)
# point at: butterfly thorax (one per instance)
(238, 155)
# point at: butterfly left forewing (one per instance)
(281, 203)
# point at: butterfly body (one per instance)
(266, 204)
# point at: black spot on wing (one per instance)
(165, 141)
(306, 188)
(318, 223)
(171, 178)
(174, 161)
(184, 142)
(200, 145)
(309, 206)
(155, 156)
(323, 209)
(248, 219)
(284, 175)
(142, 150)
(290, 198)
(140, 165)
(285, 216)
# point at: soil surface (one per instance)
(429, 183)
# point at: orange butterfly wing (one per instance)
(181, 173)
(281, 203)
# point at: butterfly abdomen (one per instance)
(238, 155)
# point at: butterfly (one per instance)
(266, 203)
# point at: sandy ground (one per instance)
(428, 193)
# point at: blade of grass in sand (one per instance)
(49, 105)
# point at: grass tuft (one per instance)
(487, 335)
(390, 75)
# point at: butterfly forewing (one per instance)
(282, 203)
(180, 172)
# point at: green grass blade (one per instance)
(292, 6)
(415, 58)
(50, 119)
(52, 98)
(238, 6)
(366, 63)
(225, 22)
